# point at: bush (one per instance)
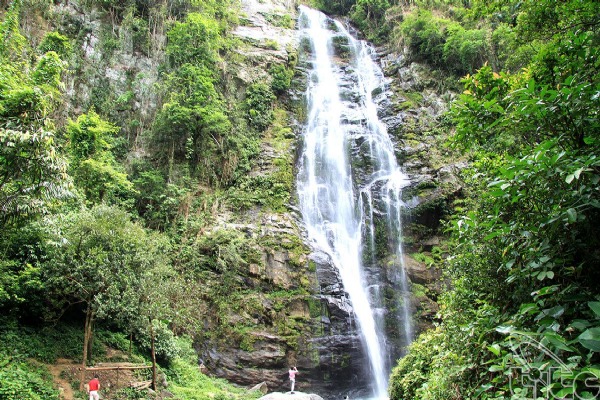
(115, 340)
(464, 50)
(165, 345)
(424, 36)
(188, 383)
(45, 344)
(56, 42)
(259, 99)
(195, 41)
(24, 381)
(369, 16)
(282, 78)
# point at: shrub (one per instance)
(56, 42)
(188, 383)
(424, 35)
(259, 99)
(282, 78)
(23, 381)
(464, 50)
(165, 345)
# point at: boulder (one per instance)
(261, 387)
(418, 272)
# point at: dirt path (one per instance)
(65, 371)
(64, 387)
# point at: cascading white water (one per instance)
(338, 206)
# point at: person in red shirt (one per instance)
(93, 387)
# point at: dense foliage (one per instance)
(521, 318)
(107, 188)
(32, 172)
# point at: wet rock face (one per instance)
(335, 362)
(412, 113)
(419, 273)
(315, 330)
(265, 363)
(311, 325)
(328, 353)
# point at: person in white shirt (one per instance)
(293, 371)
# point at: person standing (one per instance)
(293, 371)
(93, 387)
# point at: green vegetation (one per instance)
(127, 209)
(110, 193)
(25, 349)
(32, 172)
(203, 387)
(93, 165)
(522, 263)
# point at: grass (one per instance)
(187, 383)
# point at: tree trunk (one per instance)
(90, 354)
(153, 357)
(87, 333)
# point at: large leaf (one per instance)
(590, 339)
(595, 306)
(558, 341)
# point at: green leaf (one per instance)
(528, 308)
(590, 339)
(546, 290)
(580, 324)
(563, 393)
(570, 178)
(493, 235)
(505, 329)
(555, 312)
(572, 215)
(495, 348)
(483, 388)
(594, 370)
(595, 306)
(558, 341)
(498, 193)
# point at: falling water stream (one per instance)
(340, 205)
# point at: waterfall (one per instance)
(339, 204)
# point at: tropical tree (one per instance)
(32, 171)
(93, 165)
(101, 263)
